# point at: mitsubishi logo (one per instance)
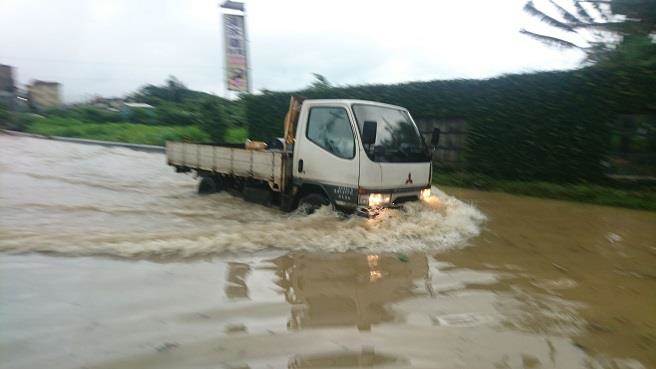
(409, 180)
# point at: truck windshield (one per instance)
(397, 137)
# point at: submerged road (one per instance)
(108, 259)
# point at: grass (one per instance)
(634, 196)
(120, 132)
(236, 135)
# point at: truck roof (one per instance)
(354, 101)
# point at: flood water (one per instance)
(108, 259)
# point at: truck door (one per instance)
(326, 153)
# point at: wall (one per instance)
(453, 136)
(7, 78)
(7, 86)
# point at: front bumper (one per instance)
(372, 212)
(387, 199)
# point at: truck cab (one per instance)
(362, 154)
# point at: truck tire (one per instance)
(311, 202)
(209, 185)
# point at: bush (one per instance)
(85, 113)
(4, 115)
(211, 118)
(170, 114)
(19, 121)
(140, 116)
(120, 132)
(235, 135)
(96, 115)
(176, 104)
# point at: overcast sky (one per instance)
(111, 47)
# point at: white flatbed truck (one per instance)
(356, 156)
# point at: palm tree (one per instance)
(597, 27)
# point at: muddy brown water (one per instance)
(109, 260)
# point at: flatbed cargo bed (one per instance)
(233, 160)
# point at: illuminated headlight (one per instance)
(425, 194)
(378, 199)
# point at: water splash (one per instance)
(108, 201)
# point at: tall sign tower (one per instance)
(235, 45)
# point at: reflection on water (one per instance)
(304, 310)
(367, 358)
(346, 289)
(236, 287)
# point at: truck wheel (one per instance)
(310, 203)
(209, 185)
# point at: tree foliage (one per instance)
(608, 31)
(212, 119)
(4, 114)
(320, 82)
(173, 91)
(176, 104)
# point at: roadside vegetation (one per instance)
(634, 195)
(120, 132)
(167, 112)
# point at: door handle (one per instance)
(300, 166)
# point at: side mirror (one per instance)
(435, 137)
(369, 129)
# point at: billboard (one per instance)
(236, 62)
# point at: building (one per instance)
(44, 95)
(7, 86)
(7, 78)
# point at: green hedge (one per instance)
(549, 125)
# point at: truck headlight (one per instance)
(425, 194)
(378, 199)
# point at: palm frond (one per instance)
(582, 13)
(530, 8)
(569, 17)
(551, 41)
(599, 9)
(605, 26)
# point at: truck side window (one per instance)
(329, 127)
